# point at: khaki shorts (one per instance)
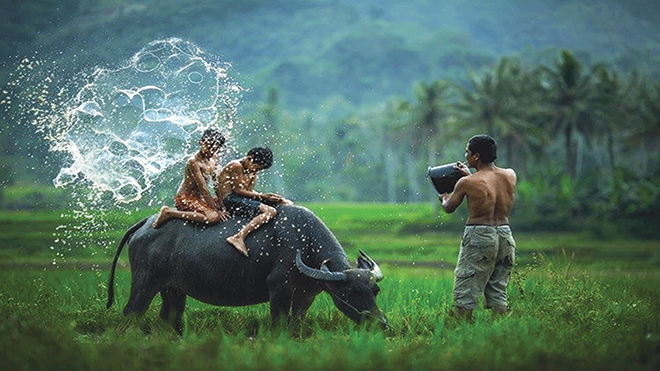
(484, 266)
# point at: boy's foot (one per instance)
(161, 218)
(238, 243)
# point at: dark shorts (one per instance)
(241, 206)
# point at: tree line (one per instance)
(585, 141)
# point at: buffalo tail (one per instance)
(111, 282)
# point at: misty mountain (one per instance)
(363, 51)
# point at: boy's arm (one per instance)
(200, 182)
(233, 174)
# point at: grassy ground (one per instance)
(399, 233)
(577, 303)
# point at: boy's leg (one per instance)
(167, 213)
(162, 217)
(266, 213)
(195, 216)
(188, 208)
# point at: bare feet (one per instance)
(238, 243)
(163, 215)
(500, 309)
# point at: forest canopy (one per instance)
(359, 98)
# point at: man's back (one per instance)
(490, 193)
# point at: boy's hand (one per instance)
(273, 197)
(223, 215)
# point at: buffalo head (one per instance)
(353, 291)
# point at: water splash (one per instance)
(125, 127)
(122, 132)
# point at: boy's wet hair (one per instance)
(485, 146)
(213, 137)
(262, 156)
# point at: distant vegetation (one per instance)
(358, 98)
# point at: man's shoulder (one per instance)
(465, 182)
(510, 173)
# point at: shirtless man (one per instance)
(487, 249)
(235, 187)
(193, 200)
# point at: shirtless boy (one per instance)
(235, 187)
(193, 200)
(487, 249)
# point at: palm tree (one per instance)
(614, 107)
(395, 141)
(499, 102)
(567, 95)
(271, 136)
(432, 108)
(648, 132)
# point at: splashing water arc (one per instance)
(127, 126)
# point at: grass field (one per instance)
(577, 303)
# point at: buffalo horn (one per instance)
(371, 265)
(318, 274)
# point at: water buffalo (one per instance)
(182, 259)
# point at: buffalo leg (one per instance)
(280, 297)
(139, 301)
(280, 307)
(174, 302)
(143, 290)
(300, 306)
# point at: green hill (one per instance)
(364, 51)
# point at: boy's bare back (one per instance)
(490, 191)
(235, 179)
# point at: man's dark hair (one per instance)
(262, 156)
(485, 146)
(213, 137)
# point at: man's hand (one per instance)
(463, 168)
(444, 197)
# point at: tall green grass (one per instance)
(577, 303)
(561, 318)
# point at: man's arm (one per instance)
(451, 201)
